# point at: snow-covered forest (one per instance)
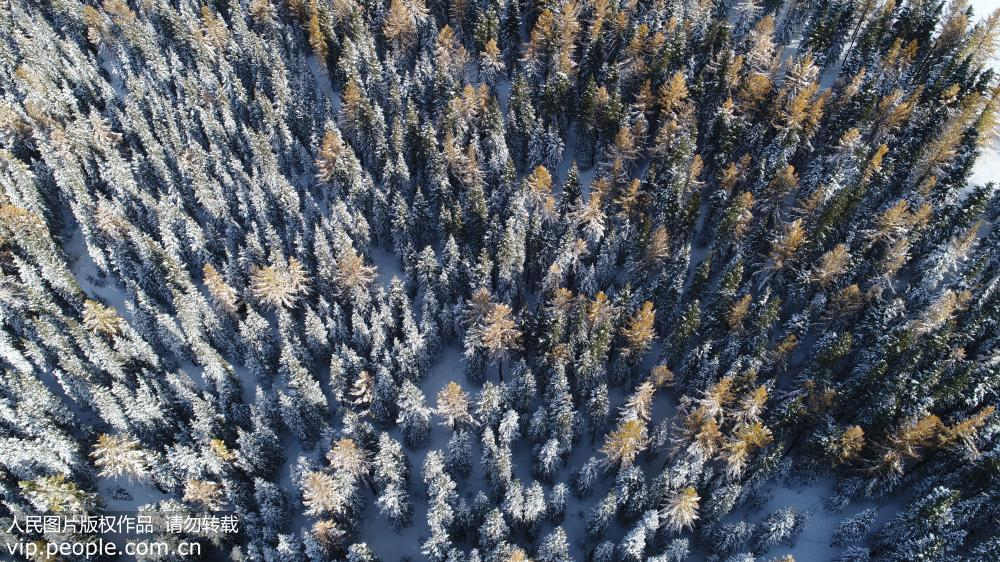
(505, 280)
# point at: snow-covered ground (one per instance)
(387, 543)
(122, 494)
(388, 266)
(987, 168)
(984, 8)
(95, 284)
(808, 498)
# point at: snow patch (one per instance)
(389, 266)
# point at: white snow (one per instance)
(322, 77)
(503, 87)
(121, 494)
(248, 383)
(984, 8)
(389, 266)
(195, 373)
(388, 543)
(987, 167)
(94, 284)
(820, 523)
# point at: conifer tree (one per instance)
(119, 456)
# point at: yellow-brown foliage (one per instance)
(658, 246)
(101, 319)
(352, 102)
(717, 396)
(205, 493)
(941, 310)
(751, 406)
(819, 397)
(330, 151)
(755, 434)
(639, 405)
(351, 272)
(219, 448)
(640, 331)
(681, 510)
(629, 199)
(831, 265)
(784, 181)
(599, 310)
(263, 11)
(119, 455)
(401, 22)
(787, 244)
(965, 431)
(983, 42)
(347, 457)
(624, 444)
(849, 444)
(755, 89)
(213, 29)
(673, 92)
(223, 294)
(874, 163)
(317, 37)
(453, 405)
(363, 390)
(96, 27)
(784, 347)
(661, 376)
(898, 220)
(847, 301)
(895, 258)
(279, 286)
(739, 215)
(321, 494)
(737, 312)
(328, 533)
(914, 436)
(498, 332)
(539, 189)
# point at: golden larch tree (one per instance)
(120, 455)
(351, 273)
(223, 294)
(787, 244)
(453, 405)
(401, 22)
(850, 443)
(101, 319)
(205, 493)
(624, 444)
(497, 333)
(831, 265)
(347, 457)
(640, 331)
(681, 510)
(279, 286)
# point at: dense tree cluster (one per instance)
(676, 250)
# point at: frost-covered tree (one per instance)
(414, 417)
(120, 455)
